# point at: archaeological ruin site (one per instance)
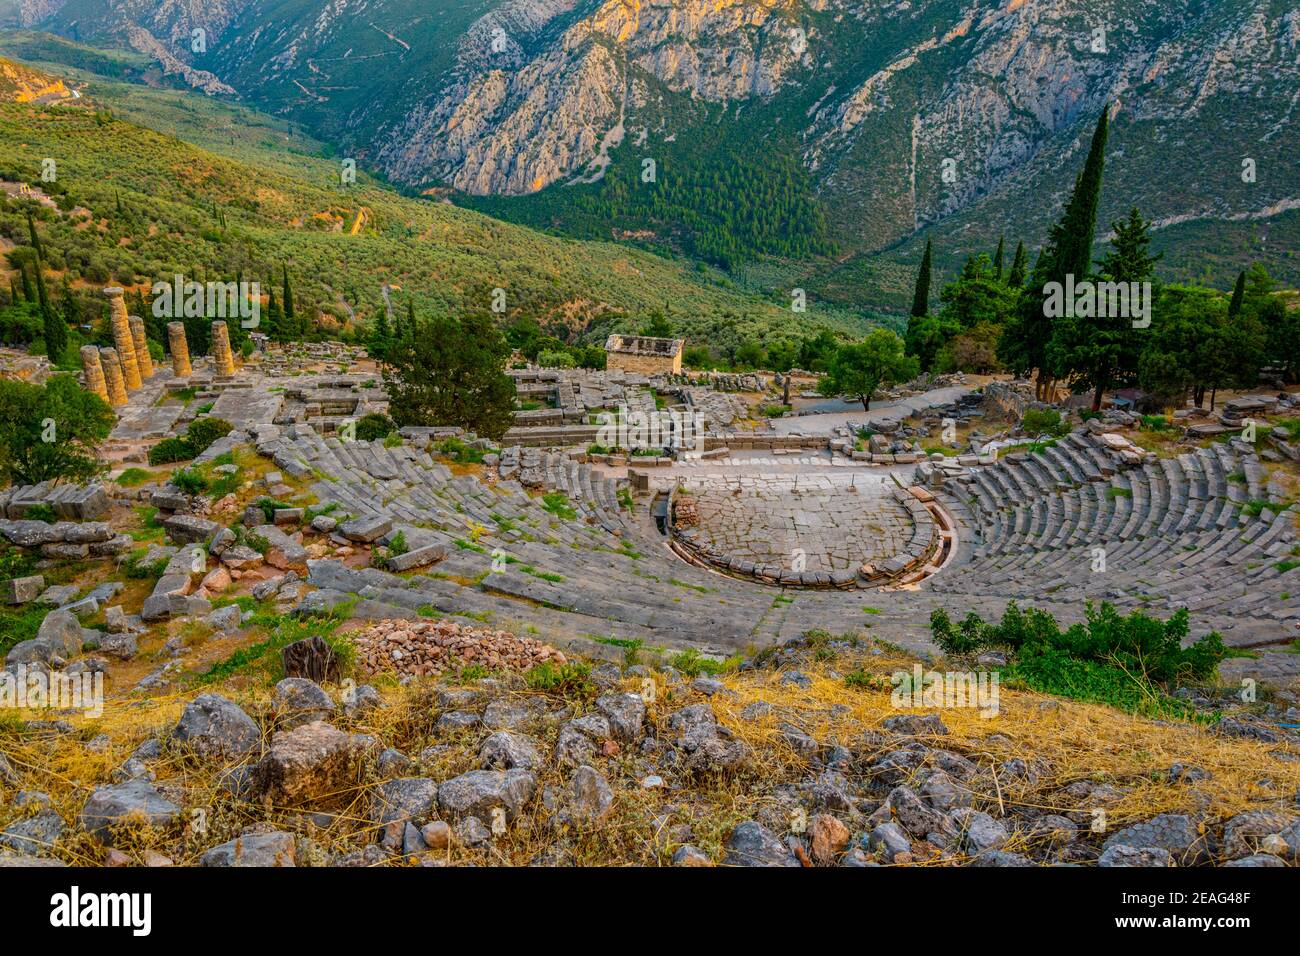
(577, 434)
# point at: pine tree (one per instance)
(921, 297)
(997, 260)
(452, 372)
(404, 331)
(1100, 351)
(1016, 278)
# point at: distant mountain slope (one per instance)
(906, 114)
(22, 84)
(261, 195)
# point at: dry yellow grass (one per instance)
(1063, 740)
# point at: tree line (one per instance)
(1181, 342)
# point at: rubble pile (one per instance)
(424, 648)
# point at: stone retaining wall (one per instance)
(73, 502)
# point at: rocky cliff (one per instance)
(906, 112)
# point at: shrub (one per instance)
(460, 452)
(269, 507)
(190, 481)
(374, 426)
(692, 664)
(1135, 643)
(169, 450)
(15, 563)
(569, 680)
(204, 431)
(50, 431)
(41, 512)
(1043, 421)
(557, 503)
(555, 359)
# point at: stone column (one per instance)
(143, 360)
(94, 371)
(180, 349)
(113, 376)
(221, 354)
(122, 338)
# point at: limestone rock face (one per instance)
(876, 94)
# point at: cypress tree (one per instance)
(1238, 295)
(921, 297)
(997, 260)
(287, 296)
(35, 239)
(1073, 239)
(55, 331)
(29, 291)
(1026, 339)
(13, 291)
(273, 325)
(1016, 278)
(406, 330)
(381, 337)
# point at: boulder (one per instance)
(134, 802)
(35, 835)
(626, 715)
(752, 844)
(1245, 833)
(397, 803)
(213, 726)
(299, 701)
(61, 630)
(313, 763)
(367, 529)
(829, 838)
(22, 590)
(478, 792)
(1120, 855)
(253, 849)
(282, 551)
(588, 797)
(225, 620)
(506, 751)
(688, 855)
(1173, 832)
(188, 529)
(416, 558)
(980, 831)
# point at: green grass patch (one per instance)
(566, 680)
(133, 477)
(692, 663)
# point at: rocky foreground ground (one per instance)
(799, 758)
